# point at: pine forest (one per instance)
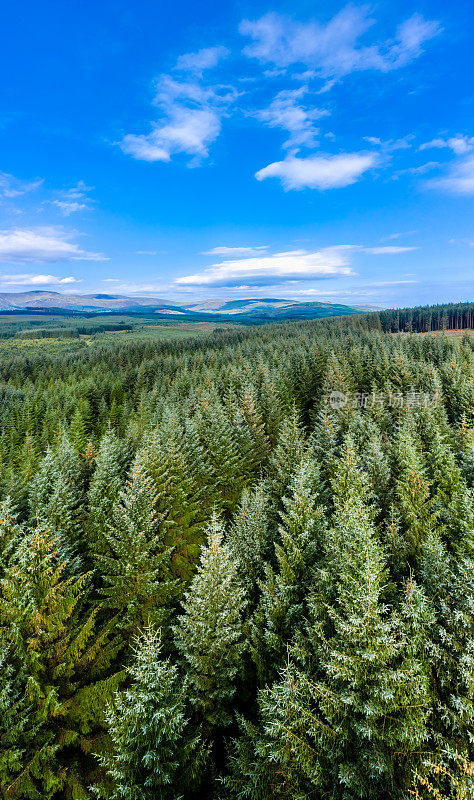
(240, 565)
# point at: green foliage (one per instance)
(282, 608)
(209, 635)
(135, 569)
(249, 538)
(105, 487)
(56, 674)
(154, 753)
(327, 625)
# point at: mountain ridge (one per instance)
(251, 307)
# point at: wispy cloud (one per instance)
(30, 279)
(459, 178)
(398, 235)
(11, 187)
(266, 269)
(459, 144)
(235, 251)
(190, 120)
(333, 49)
(41, 245)
(288, 112)
(421, 169)
(69, 201)
(319, 172)
(207, 58)
(390, 145)
(389, 250)
(389, 283)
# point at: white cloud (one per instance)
(422, 169)
(74, 199)
(287, 112)
(389, 145)
(41, 245)
(459, 144)
(390, 250)
(29, 279)
(203, 59)
(319, 172)
(460, 177)
(290, 266)
(398, 235)
(190, 121)
(333, 49)
(235, 251)
(14, 187)
(389, 283)
(468, 242)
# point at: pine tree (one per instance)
(56, 492)
(449, 585)
(154, 754)
(287, 455)
(10, 533)
(413, 496)
(137, 584)
(58, 667)
(209, 634)
(249, 539)
(105, 487)
(349, 713)
(282, 608)
(181, 486)
(218, 436)
(16, 727)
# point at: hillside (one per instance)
(260, 309)
(78, 302)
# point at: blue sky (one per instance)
(191, 150)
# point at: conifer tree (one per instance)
(217, 435)
(449, 585)
(282, 608)
(413, 494)
(137, 584)
(209, 635)
(287, 454)
(55, 493)
(325, 443)
(104, 489)
(179, 474)
(58, 666)
(249, 540)
(349, 713)
(16, 727)
(10, 533)
(154, 753)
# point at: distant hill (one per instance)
(253, 309)
(272, 308)
(77, 302)
(242, 306)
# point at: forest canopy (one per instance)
(239, 564)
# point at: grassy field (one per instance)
(23, 338)
(28, 317)
(42, 328)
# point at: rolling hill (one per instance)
(250, 308)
